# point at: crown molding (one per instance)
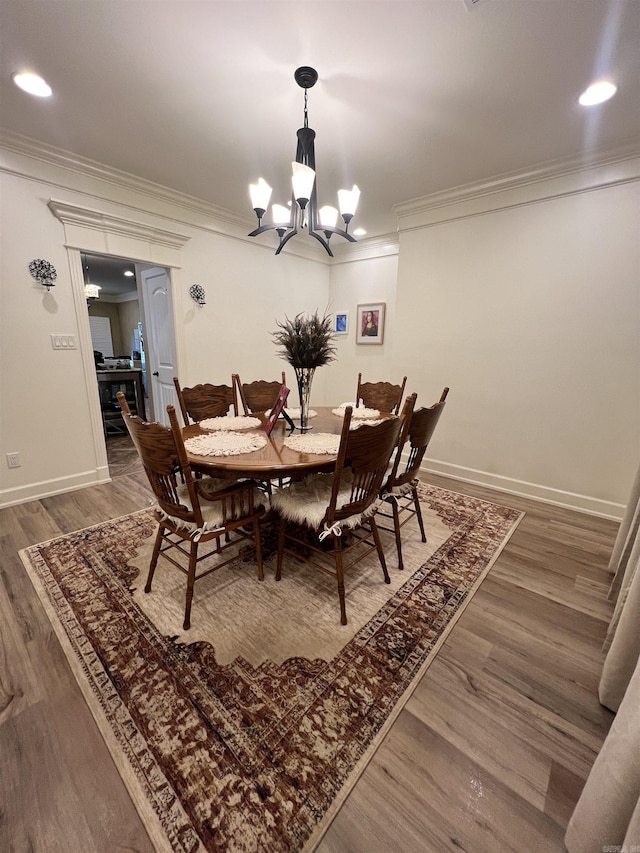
(381, 246)
(51, 155)
(199, 214)
(565, 176)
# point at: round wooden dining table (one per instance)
(274, 460)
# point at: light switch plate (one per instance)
(63, 341)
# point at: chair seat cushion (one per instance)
(212, 514)
(305, 502)
(402, 490)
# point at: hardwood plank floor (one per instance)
(490, 753)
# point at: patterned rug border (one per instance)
(144, 806)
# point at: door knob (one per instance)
(155, 373)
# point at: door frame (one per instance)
(100, 233)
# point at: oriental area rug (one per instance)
(247, 732)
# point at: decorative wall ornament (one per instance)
(43, 272)
(196, 291)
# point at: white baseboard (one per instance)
(533, 491)
(48, 488)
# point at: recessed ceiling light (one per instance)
(597, 93)
(128, 273)
(359, 232)
(32, 83)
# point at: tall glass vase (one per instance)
(304, 376)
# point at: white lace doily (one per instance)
(225, 443)
(318, 442)
(357, 413)
(230, 422)
(294, 412)
(358, 423)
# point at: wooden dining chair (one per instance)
(206, 400)
(380, 395)
(400, 489)
(190, 512)
(260, 395)
(322, 506)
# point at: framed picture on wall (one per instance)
(341, 323)
(370, 323)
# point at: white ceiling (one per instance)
(413, 97)
(109, 273)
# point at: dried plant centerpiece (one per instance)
(306, 343)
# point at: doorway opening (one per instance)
(123, 352)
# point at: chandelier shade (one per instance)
(92, 291)
(303, 213)
(348, 201)
(281, 215)
(328, 216)
(260, 195)
(303, 180)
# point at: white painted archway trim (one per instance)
(89, 230)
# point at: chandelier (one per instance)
(303, 212)
(91, 291)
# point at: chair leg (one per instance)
(258, 541)
(416, 503)
(376, 539)
(281, 532)
(154, 557)
(337, 553)
(396, 527)
(191, 577)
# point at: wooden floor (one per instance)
(489, 754)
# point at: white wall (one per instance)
(247, 289)
(356, 283)
(526, 305)
(45, 394)
(531, 315)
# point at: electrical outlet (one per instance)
(13, 460)
(63, 341)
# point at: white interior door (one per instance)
(161, 342)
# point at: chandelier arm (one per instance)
(339, 231)
(284, 240)
(261, 229)
(321, 239)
